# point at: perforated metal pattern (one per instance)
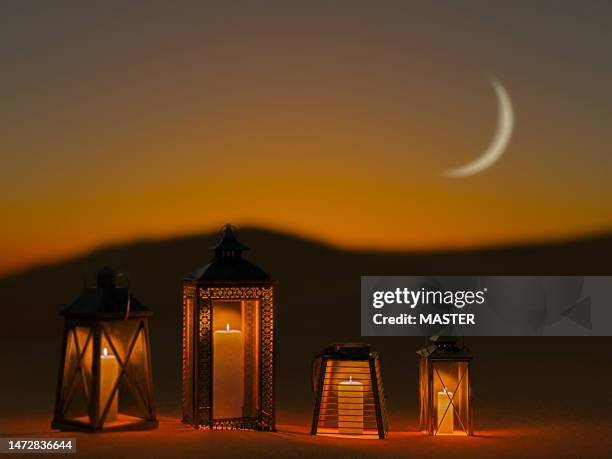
(189, 292)
(267, 360)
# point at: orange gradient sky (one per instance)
(331, 120)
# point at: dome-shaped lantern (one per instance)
(227, 264)
(105, 381)
(228, 342)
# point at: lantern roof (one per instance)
(227, 263)
(347, 351)
(106, 300)
(228, 241)
(445, 348)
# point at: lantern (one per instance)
(105, 382)
(349, 395)
(445, 388)
(228, 342)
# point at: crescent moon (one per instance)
(500, 141)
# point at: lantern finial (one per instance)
(229, 246)
(107, 277)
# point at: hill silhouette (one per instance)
(318, 303)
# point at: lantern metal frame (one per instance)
(443, 349)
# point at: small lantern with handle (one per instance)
(445, 384)
(105, 381)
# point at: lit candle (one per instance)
(109, 372)
(227, 373)
(350, 407)
(445, 408)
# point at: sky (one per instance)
(331, 120)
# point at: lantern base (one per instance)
(366, 435)
(246, 423)
(124, 423)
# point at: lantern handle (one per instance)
(315, 369)
(128, 306)
(315, 366)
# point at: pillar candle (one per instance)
(350, 407)
(446, 425)
(227, 373)
(109, 372)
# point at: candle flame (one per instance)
(227, 327)
(350, 379)
(105, 352)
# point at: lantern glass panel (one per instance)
(423, 393)
(77, 373)
(235, 358)
(124, 369)
(347, 402)
(450, 397)
(188, 359)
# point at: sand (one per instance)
(557, 439)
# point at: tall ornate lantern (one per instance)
(349, 395)
(105, 381)
(228, 342)
(446, 388)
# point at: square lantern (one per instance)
(105, 381)
(446, 388)
(349, 395)
(228, 342)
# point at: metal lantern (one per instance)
(105, 381)
(446, 388)
(349, 395)
(228, 342)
